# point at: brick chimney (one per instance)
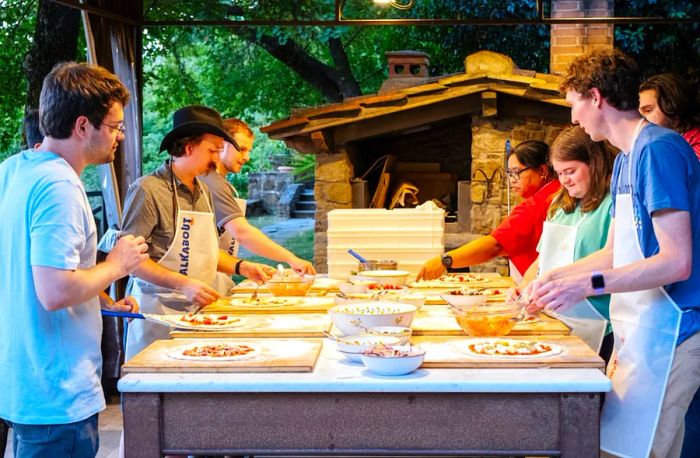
(406, 69)
(571, 40)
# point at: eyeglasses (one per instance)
(121, 127)
(514, 175)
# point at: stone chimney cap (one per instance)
(406, 53)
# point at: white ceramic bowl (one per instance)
(392, 296)
(464, 301)
(352, 288)
(394, 365)
(352, 318)
(359, 343)
(386, 277)
(403, 334)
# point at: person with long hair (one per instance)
(577, 225)
(532, 178)
(668, 100)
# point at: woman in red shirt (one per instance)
(532, 178)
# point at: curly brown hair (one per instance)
(612, 72)
(71, 90)
(574, 144)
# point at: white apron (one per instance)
(230, 245)
(193, 252)
(646, 325)
(557, 247)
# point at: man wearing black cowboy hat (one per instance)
(172, 209)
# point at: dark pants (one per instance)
(691, 440)
(71, 440)
(3, 436)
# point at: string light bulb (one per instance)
(398, 4)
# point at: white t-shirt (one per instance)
(50, 362)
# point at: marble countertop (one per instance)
(334, 374)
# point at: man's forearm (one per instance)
(158, 275)
(598, 261)
(254, 240)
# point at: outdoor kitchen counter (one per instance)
(340, 408)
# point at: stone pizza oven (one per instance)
(447, 132)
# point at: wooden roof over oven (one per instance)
(492, 85)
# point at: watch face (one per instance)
(446, 260)
(597, 281)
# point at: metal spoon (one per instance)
(338, 339)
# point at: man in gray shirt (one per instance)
(229, 216)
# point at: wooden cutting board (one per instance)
(320, 287)
(269, 325)
(304, 305)
(437, 320)
(295, 355)
(447, 352)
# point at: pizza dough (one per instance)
(510, 349)
(263, 302)
(215, 352)
(205, 321)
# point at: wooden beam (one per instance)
(408, 119)
(518, 107)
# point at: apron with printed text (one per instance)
(557, 248)
(230, 245)
(193, 252)
(646, 325)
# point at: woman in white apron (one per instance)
(532, 178)
(578, 223)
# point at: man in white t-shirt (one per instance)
(50, 357)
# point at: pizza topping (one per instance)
(475, 292)
(209, 320)
(218, 351)
(509, 348)
(467, 278)
(378, 287)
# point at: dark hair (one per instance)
(177, 149)
(574, 144)
(676, 99)
(612, 72)
(534, 154)
(32, 133)
(71, 90)
(234, 126)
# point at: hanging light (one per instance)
(398, 4)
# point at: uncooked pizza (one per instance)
(491, 293)
(450, 280)
(215, 352)
(511, 348)
(264, 302)
(209, 320)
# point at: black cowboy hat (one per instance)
(196, 120)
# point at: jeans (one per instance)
(71, 440)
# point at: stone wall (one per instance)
(332, 190)
(267, 187)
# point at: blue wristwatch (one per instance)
(598, 283)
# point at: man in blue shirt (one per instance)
(50, 358)
(647, 263)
